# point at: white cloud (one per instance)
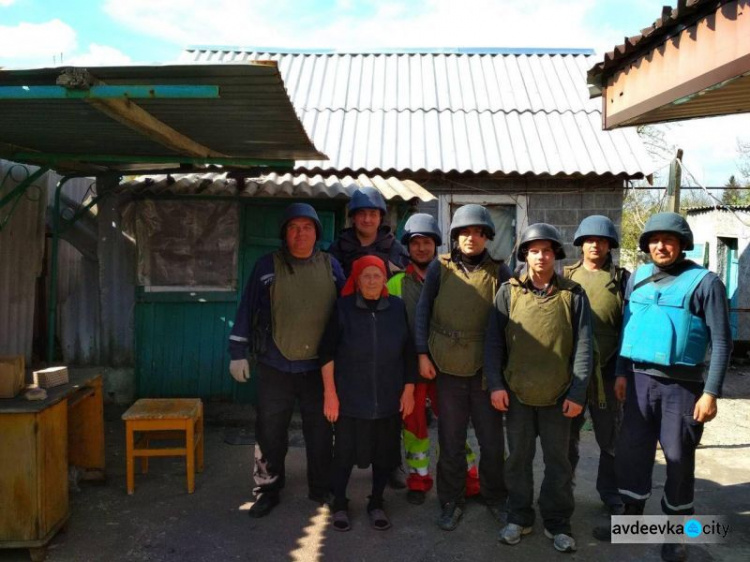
(100, 55)
(709, 144)
(6, 3)
(36, 43)
(363, 25)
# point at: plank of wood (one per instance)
(135, 117)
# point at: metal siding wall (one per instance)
(78, 306)
(77, 287)
(21, 254)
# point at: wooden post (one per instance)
(673, 184)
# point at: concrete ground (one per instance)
(161, 522)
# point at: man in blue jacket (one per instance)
(281, 318)
(675, 310)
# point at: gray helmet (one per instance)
(472, 215)
(367, 198)
(597, 225)
(300, 210)
(667, 222)
(540, 231)
(422, 224)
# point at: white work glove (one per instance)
(240, 370)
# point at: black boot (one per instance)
(263, 505)
(604, 532)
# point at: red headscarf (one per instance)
(358, 266)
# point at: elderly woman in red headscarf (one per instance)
(369, 367)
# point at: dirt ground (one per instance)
(161, 522)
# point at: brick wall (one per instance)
(563, 203)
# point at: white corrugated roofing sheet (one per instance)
(449, 112)
(277, 185)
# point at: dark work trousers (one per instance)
(277, 393)
(523, 424)
(607, 422)
(461, 399)
(659, 409)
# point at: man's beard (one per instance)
(421, 264)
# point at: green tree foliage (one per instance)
(737, 192)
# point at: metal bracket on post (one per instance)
(14, 197)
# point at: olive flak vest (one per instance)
(302, 298)
(539, 338)
(605, 297)
(459, 316)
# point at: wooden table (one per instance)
(40, 440)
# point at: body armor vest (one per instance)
(459, 316)
(302, 298)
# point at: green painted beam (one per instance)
(109, 92)
(52, 159)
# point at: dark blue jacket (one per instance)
(253, 319)
(347, 248)
(373, 354)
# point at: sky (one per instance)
(39, 33)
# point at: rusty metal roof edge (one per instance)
(671, 22)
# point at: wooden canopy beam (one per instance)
(705, 64)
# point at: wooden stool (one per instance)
(164, 419)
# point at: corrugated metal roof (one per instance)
(276, 185)
(671, 22)
(252, 118)
(449, 112)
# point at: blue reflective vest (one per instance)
(659, 326)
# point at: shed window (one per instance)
(191, 244)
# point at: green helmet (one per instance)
(472, 215)
(600, 226)
(667, 222)
(540, 231)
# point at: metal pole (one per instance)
(673, 185)
(52, 305)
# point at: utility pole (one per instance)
(673, 183)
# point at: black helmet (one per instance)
(472, 215)
(424, 225)
(667, 222)
(300, 210)
(540, 231)
(367, 198)
(597, 225)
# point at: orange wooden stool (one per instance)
(158, 419)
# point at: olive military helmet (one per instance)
(300, 210)
(540, 231)
(472, 215)
(422, 224)
(597, 225)
(367, 198)
(667, 222)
